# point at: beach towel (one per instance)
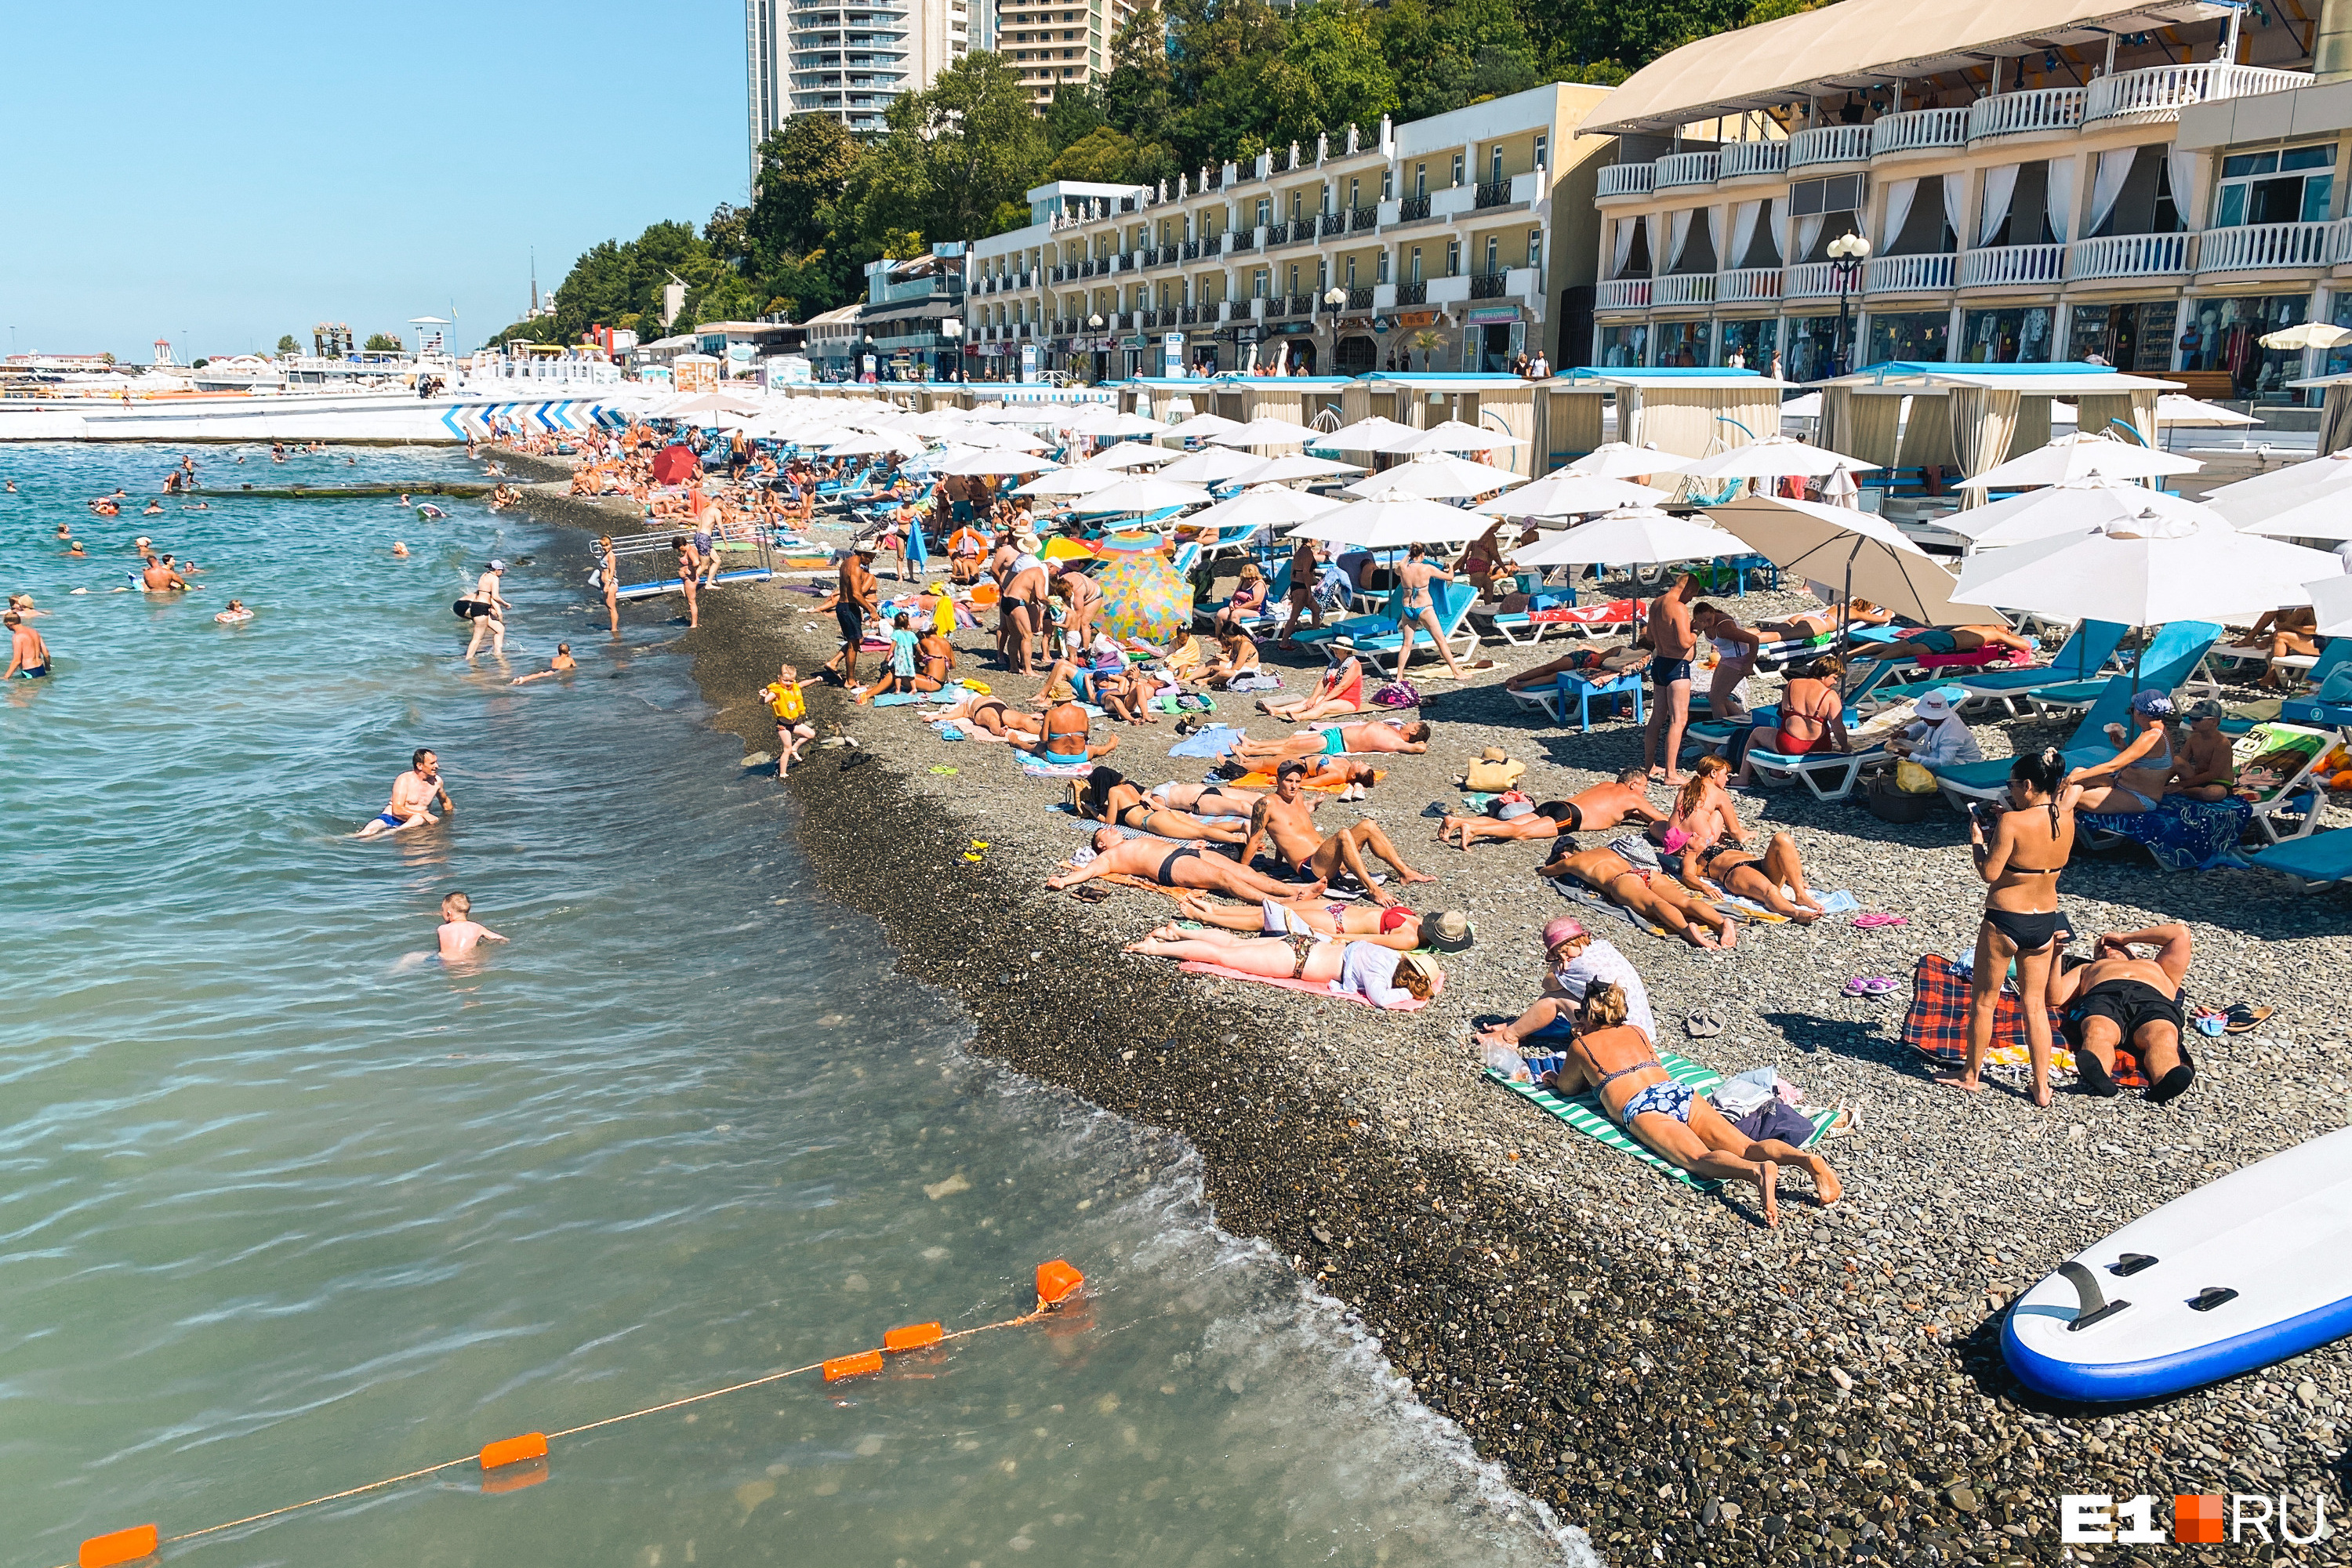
(1213, 742)
(1840, 902)
(1619, 612)
(1583, 1112)
(899, 698)
(1937, 1026)
(1265, 781)
(1037, 769)
(1988, 657)
(1576, 892)
(2183, 835)
(1310, 987)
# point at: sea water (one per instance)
(287, 1205)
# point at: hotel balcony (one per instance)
(2026, 113)
(1684, 289)
(1626, 180)
(2129, 256)
(1810, 280)
(2269, 247)
(1747, 160)
(2161, 92)
(2013, 267)
(1622, 294)
(1908, 274)
(1916, 129)
(1686, 169)
(1830, 144)
(1748, 286)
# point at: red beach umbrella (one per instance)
(674, 465)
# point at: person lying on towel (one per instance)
(1333, 740)
(1285, 820)
(1959, 639)
(1811, 624)
(1394, 926)
(1383, 975)
(1192, 865)
(2116, 996)
(1626, 871)
(1594, 664)
(1108, 796)
(1600, 807)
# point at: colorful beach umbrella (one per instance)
(1143, 593)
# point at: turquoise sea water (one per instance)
(287, 1205)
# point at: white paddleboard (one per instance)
(2244, 1271)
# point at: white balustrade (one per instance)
(1740, 158)
(2021, 113)
(1830, 144)
(2129, 256)
(1685, 289)
(1748, 286)
(1908, 274)
(2265, 247)
(2163, 91)
(1810, 280)
(1627, 179)
(1917, 128)
(2009, 264)
(1687, 169)
(1622, 294)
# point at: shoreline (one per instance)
(1722, 1394)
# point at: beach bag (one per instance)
(1486, 774)
(1912, 779)
(1511, 806)
(1398, 694)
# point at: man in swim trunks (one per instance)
(1288, 820)
(1674, 637)
(1189, 866)
(413, 795)
(858, 597)
(159, 578)
(28, 655)
(1626, 871)
(2118, 996)
(1959, 639)
(1335, 740)
(1601, 806)
(1588, 663)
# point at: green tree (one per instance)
(804, 166)
(289, 344)
(1773, 10)
(978, 141)
(1330, 75)
(1102, 156)
(1446, 56)
(382, 344)
(1075, 112)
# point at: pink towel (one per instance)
(1312, 987)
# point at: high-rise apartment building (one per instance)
(1059, 43)
(849, 59)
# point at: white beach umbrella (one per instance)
(1454, 436)
(1617, 460)
(711, 403)
(1210, 465)
(2250, 501)
(1804, 406)
(1199, 428)
(2081, 457)
(1273, 506)
(993, 460)
(1371, 434)
(2306, 335)
(1141, 493)
(2174, 408)
(1111, 423)
(1438, 477)
(876, 445)
(1073, 482)
(2331, 601)
(1775, 457)
(1866, 555)
(1125, 454)
(1565, 493)
(1267, 432)
(2145, 570)
(1293, 465)
(2073, 508)
(1390, 522)
(2315, 517)
(1004, 438)
(1631, 536)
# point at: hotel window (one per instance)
(1495, 166)
(1294, 278)
(1258, 284)
(1543, 146)
(1535, 248)
(1381, 266)
(1421, 179)
(1388, 184)
(1457, 168)
(1494, 255)
(2289, 187)
(1414, 276)
(1351, 272)
(1355, 192)
(1296, 201)
(1453, 258)
(1264, 211)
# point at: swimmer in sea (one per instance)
(459, 931)
(65, 530)
(413, 794)
(78, 553)
(399, 549)
(236, 612)
(562, 663)
(22, 604)
(430, 512)
(28, 655)
(200, 506)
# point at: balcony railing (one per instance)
(1684, 289)
(1192, 250)
(1487, 285)
(1360, 298)
(1616, 179)
(1302, 304)
(1417, 293)
(1188, 315)
(2129, 256)
(1918, 128)
(2264, 247)
(1688, 169)
(2003, 266)
(1412, 208)
(2021, 113)
(1277, 234)
(1810, 280)
(1620, 294)
(1362, 218)
(2161, 92)
(1908, 274)
(1491, 194)
(1830, 144)
(1330, 223)
(1740, 158)
(1748, 286)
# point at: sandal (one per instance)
(1869, 985)
(2243, 1018)
(1701, 1026)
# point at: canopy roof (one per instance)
(1861, 43)
(2060, 379)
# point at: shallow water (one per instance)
(287, 1205)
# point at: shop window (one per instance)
(2225, 334)
(2288, 186)
(2017, 336)
(1916, 335)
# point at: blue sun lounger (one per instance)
(2313, 863)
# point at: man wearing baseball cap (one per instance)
(1937, 737)
(1574, 959)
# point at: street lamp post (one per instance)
(1101, 355)
(1846, 257)
(952, 329)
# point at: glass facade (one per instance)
(1748, 344)
(1906, 335)
(1626, 347)
(1687, 344)
(1812, 347)
(2135, 336)
(2222, 334)
(2021, 335)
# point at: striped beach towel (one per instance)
(1583, 1112)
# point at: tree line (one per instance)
(1192, 83)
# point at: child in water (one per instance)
(459, 934)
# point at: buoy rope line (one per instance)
(1057, 1282)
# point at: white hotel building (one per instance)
(849, 60)
(2157, 185)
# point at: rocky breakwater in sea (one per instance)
(1682, 1383)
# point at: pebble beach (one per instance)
(1654, 1363)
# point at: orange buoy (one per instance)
(514, 1478)
(509, 1450)
(913, 1337)
(121, 1546)
(2341, 780)
(985, 594)
(844, 1366)
(1057, 1282)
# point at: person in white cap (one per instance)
(1937, 738)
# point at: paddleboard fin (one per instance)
(2130, 1263)
(2210, 1297)
(2094, 1306)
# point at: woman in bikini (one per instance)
(1108, 796)
(1236, 656)
(2134, 779)
(1345, 965)
(1626, 870)
(1705, 840)
(1340, 692)
(1617, 1063)
(1812, 716)
(2031, 841)
(1814, 623)
(1247, 603)
(1420, 610)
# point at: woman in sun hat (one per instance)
(1937, 737)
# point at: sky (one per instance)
(219, 175)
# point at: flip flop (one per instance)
(1869, 985)
(2243, 1017)
(1701, 1026)
(1876, 921)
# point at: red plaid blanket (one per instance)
(1937, 1024)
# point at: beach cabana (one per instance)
(1686, 413)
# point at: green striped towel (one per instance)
(1583, 1112)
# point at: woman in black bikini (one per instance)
(1106, 797)
(2031, 842)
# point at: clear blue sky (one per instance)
(220, 173)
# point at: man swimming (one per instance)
(413, 795)
(562, 663)
(460, 932)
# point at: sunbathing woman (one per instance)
(1810, 717)
(1813, 623)
(1194, 866)
(1236, 656)
(2283, 632)
(2133, 780)
(1677, 1123)
(1713, 844)
(1626, 871)
(2031, 840)
(1207, 800)
(1247, 602)
(1586, 663)
(1108, 797)
(1063, 737)
(1381, 976)
(1916, 640)
(989, 714)
(1336, 739)
(1395, 927)
(1340, 693)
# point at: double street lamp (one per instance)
(1847, 255)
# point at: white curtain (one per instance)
(2107, 183)
(2061, 203)
(1899, 196)
(1743, 232)
(1808, 229)
(1620, 248)
(2000, 185)
(1784, 237)
(1715, 237)
(2181, 165)
(1678, 235)
(1955, 188)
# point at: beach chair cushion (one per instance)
(2315, 861)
